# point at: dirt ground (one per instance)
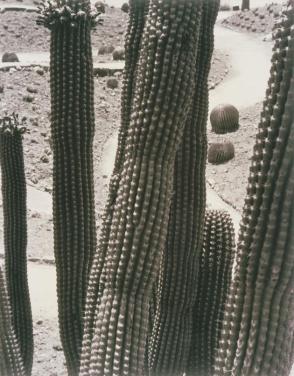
(255, 21)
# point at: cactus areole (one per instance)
(72, 126)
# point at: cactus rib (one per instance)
(15, 234)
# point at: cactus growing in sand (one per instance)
(15, 234)
(224, 118)
(215, 273)
(220, 152)
(72, 128)
(257, 335)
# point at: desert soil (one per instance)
(26, 91)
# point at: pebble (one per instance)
(57, 347)
(28, 98)
(31, 89)
(45, 159)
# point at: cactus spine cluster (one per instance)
(170, 338)
(15, 234)
(72, 127)
(11, 362)
(162, 93)
(215, 273)
(257, 336)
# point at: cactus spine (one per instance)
(162, 95)
(11, 362)
(257, 336)
(215, 273)
(72, 127)
(137, 13)
(170, 339)
(15, 234)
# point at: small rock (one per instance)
(57, 347)
(39, 322)
(28, 98)
(9, 57)
(45, 159)
(118, 53)
(34, 180)
(31, 89)
(112, 83)
(104, 176)
(40, 71)
(35, 214)
(1, 89)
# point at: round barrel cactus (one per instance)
(224, 118)
(220, 152)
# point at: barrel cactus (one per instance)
(11, 361)
(15, 234)
(220, 152)
(162, 94)
(257, 334)
(215, 274)
(224, 118)
(170, 338)
(72, 128)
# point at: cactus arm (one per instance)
(15, 234)
(170, 339)
(72, 127)
(253, 337)
(162, 96)
(11, 361)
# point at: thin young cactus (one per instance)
(257, 336)
(11, 362)
(215, 274)
(163, 90)
(72, 127)
(170, 339)
(15, 234)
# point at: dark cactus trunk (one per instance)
(15, 235)
(72, 127)
(215, 274)
(11, 362)
(257, 335)
(245, 4)
(170, 340)
(162, 93)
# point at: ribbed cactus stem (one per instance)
(11, 362)
(257, 336)
(15, 234)
(137, 12)
(72, 127)
(163, 90)
(170, 339)
(215, 274)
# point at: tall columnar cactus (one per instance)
(15, 234)
(11, 362)
(170, 339)
(72, 127)
(257, 336)
(137, 14)
(162, 93)
(215, 273)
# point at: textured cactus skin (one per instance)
(220, 152)
(215, 274)
(15, 234)
(72, 127)
(162, 94)
(257, 336)
(224, 118)
(170, 339)
(11, 363)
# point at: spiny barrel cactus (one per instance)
(215, 273)
(220, 152)
(72, 128)
(11, 362)
(257, 335)
(170, 338)
(137, 13)
(15, 234)
(224, 118)
(163, 87)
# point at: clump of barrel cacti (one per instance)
(72, 128)
(220, 152)
(224, 118)
(170, 338)
(161, 95)
(215, 274)
(11, 362)
(257, 335)
(15, 234)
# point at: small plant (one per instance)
(125, 7)
(118, 53)
(224, 118)
(219, 153)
